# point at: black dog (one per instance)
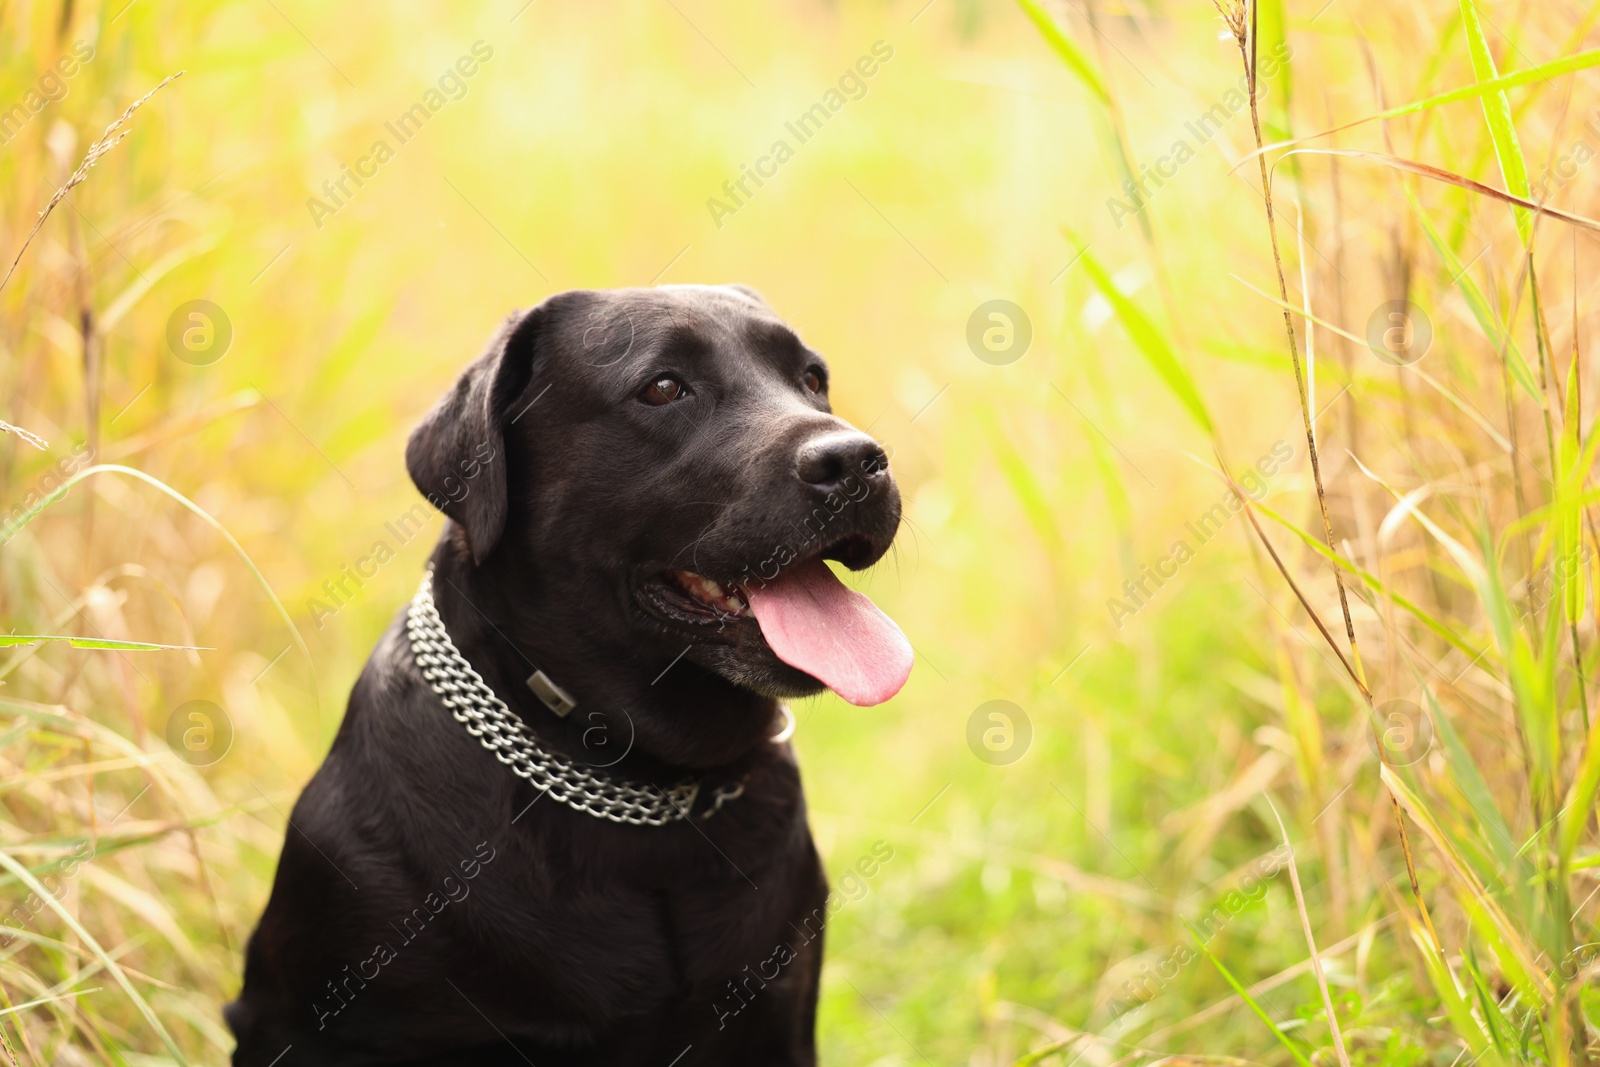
(642, 486)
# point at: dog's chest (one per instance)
(665, 927)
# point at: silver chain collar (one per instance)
(474, 705)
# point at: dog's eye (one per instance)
(813, 380)
(663, 390)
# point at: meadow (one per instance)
(1249, 553)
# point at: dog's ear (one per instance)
(456, 455)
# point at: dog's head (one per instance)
(664, 466)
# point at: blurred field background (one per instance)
(1047, 864)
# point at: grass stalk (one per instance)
(1372, 712)
(1241, 20)
(1311, 941)
(113, 135)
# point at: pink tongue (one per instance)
(836, 635)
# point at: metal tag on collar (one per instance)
(554, 697)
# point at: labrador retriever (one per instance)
(561, 822)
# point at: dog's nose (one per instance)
(826, 462)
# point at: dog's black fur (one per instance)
(430, 906)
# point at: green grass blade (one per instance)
(209, 520)
(1487, 1004)
(1117, 501)
(1488, 320)
(1019, 474)
(1151, 341)
(1040, 1055)
(8, 640)
(1441, 52)
(49, 1000)
(1516, 956)
(1076, 60)
(1476, 791)
(1497, 111)
(89, 941)
(1314, 542)
(1580, 796)
(1455, 1005)
(1244, 995)
(1569, 517)
(1273, 35)
(1494, 84)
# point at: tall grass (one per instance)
(1506, 805)
(1126, 892)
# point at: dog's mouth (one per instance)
(800, 612)
(697, 600)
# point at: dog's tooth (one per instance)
(736, 603)
(712, 587)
